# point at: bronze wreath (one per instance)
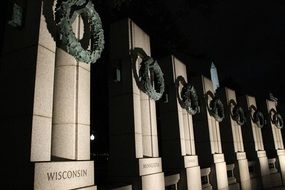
(256, 116)
(187, 97)
(276, 118)
(237, 113)
(216, 107)
(65, 16)
(143, 80)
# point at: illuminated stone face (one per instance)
(64, 175)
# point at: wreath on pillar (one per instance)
(237, 112)
(187, 97)
(150, 74)
(276, 119)
(66, 13)
(215, 106)
(257, 116)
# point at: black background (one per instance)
(245, 39)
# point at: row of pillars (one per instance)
(164, 147)
(153, 145)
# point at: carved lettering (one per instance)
(218, 158)
(63, 175)
(191, 160)
(151, 165)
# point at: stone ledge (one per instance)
(281, 152)
(241, 155)
(261, 153)
(218, 158)
(191, 161)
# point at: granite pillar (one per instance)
(67, 149)
(254, 147)
(273, 142)
(29, 58)
(176, 129)
(134, 158)
(207, 138)
(232, 140)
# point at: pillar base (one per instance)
(152, 177)
(153, 181)
(281, 164)
(219, 172)
(193, 172)
(64, 175)
(264, 169)
(243, 171)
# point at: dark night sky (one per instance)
(245, 39)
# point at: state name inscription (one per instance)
(63, 175)
(190, 161)
(150, 165)
(66, 174)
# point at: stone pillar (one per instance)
(134, 155)
(254, 147)
(273, 142)
(207, 137)
(66, 142)
(176, 129)
(232, 140)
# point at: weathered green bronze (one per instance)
(236, 112)
(17, 17)
(66, 15)
(215, 106)
(148, 70)
(257, 116)
(276, 118)
(187, 97)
